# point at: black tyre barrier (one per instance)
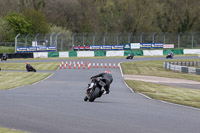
(18, 55)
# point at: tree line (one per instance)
(91, 16)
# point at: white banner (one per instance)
(63, 54)
(40, 54)
(191, 51)
(115, 53)
(135, 45)
(168, 45)
(85, 53)
(152, 52)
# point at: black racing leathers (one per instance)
(108, 77)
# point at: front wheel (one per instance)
(86, 98)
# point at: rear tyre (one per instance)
(94, 94)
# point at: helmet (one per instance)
(107, 71)
(26, 62)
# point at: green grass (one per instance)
(15, 79)
(37, 65)
(7, 49)
(183, 96)
(155, 68)
(6, 130)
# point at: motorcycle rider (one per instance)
(130, 56)
(108, 78)
(29, 67)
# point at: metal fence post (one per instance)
(16, 42)
(193, 39)
(36, 36)
(51, 41)
(56, 41)
(141, 37)
(179, 36)
(93, 39)
(153, 37)
(129, 38)
(164, 37)
(83, 39)
(73, 40)
(62, 43)
(104, 39)
(117, 39)
(26, 39)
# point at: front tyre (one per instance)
(86, 98)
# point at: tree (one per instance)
(38, 19)
(19, 23)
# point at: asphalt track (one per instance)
(56, 105)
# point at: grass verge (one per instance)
(37, 65)
(7, 49)
(188, 97)
(15, 79)
(6, 130)
(155, 68)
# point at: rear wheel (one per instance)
(94, 94)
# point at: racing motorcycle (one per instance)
(4, 57)
(169, 56)
(31, 69)
(95, 89)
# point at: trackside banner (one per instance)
(151, 45)
(99, 47)
(36, 49)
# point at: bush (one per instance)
(7, 34)
(19, 23)
(39, 21)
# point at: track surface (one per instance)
(56, 105)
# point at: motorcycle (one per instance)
(130, 56)
(169, 56)
(31, 69)
(4, 57)
(95, 89)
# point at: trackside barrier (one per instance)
(183, 69)
(115, 53)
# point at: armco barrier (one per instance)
(152, 52)
(135, 52)
(183, 69)
(100, 53)
(63, 54)
(40, 54)
(53, 54)
(198, 71)
(115, 53)
(191, 51)
(104, 53)
(85, 53)
(72, 54)
(175, 51)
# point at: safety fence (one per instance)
(184, 69)
(66, 41)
